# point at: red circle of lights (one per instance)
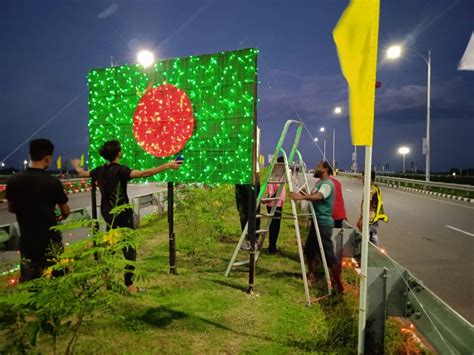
(163, 121)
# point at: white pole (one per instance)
(334, 149)
(428, 98)
(364, 251)
(324, 150)
(403, 170)
(355, 158)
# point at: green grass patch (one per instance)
(201, 311)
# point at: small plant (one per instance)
(82, 282)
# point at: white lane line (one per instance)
(432, 199)
(460, 230)
(349, 190)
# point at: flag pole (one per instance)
(364, 250)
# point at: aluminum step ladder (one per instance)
(282, 174)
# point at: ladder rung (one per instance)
(261, 231)
(265, 215)
(304, 214)
(239, 263)
(268, 199)
(277, 182)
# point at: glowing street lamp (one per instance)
(145, 58)
(403, 151)
(337, 110)
(395, 52)
(25, 163)
(316, 139)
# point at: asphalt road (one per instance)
(430, 236)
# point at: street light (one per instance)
(145, 58)
(337, 111)
(393, 53)
(322, 130)
(403, 151)
(25, 163)
(316, 139)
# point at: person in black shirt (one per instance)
(112, 179)
(33, 195)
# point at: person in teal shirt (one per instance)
(322, 198)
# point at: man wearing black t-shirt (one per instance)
(33, 195)
(112, 179)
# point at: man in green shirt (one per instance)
(322, 198)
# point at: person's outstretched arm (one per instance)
(153, 171)
(76, 165)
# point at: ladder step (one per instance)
(268, 199)
(262, 215)
(280, 182)
(240, 263)
(261, 231)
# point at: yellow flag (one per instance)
(82, 160)
(356, 37)
(59, 162)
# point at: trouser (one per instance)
(129, 254)
(373, 233)
(33, 266)
(125, 220)
(312, 246)
(274, 228)
(242, 201)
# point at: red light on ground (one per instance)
(12, 282)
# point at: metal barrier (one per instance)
(394, 292)
(463, 191)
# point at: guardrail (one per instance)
(464, 192)
(10, 233)
(394, 292)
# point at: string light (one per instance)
(200, 107)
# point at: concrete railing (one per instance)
(10, 233)
(463, 192)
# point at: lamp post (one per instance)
(395, 52)
(337, 111)
(323, 130)
(25, 163)
(403, 151)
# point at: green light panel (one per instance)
(222, 91)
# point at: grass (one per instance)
(201, 311)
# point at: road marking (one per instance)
(432, 199)
(460, 230)
(349, 190)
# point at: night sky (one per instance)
(48, 47)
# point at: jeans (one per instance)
(274, 228)
(312, 247)
(242, 201)
(373, 233)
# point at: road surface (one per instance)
(432, 237)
